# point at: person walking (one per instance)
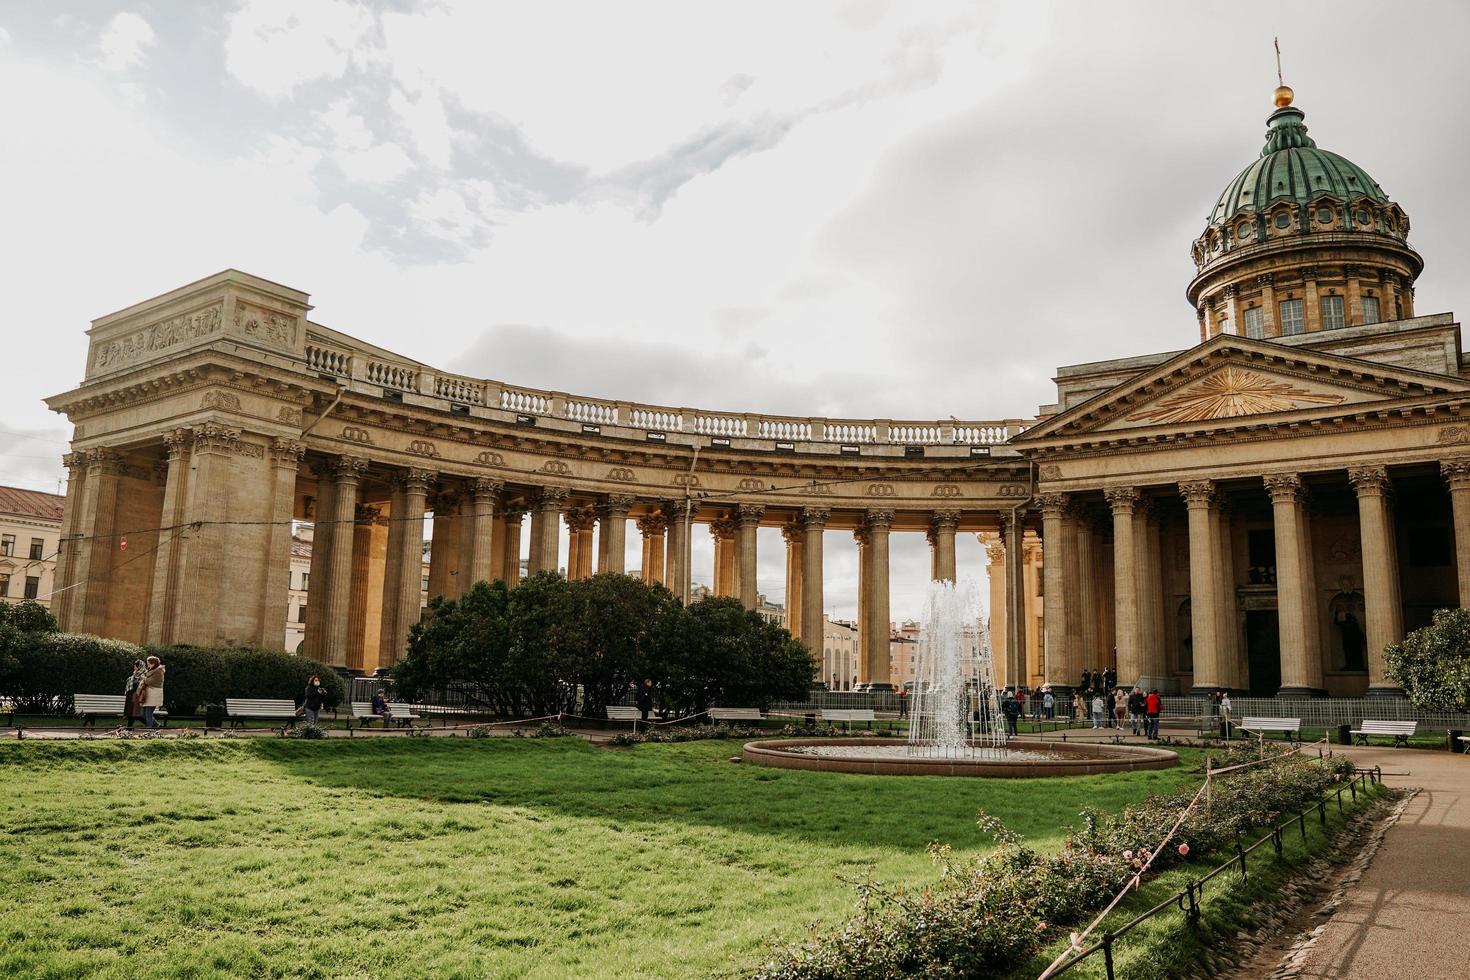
(152, 690)
(1097, 710)
(1011, 708)
(1225, 713)
(1136, 706)
(1048, 704)
(903, 703)
(1152, 706)
(643, 700)
(314, 699)
(130, 692)
(1120, 708)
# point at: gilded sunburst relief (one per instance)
(1232, 392)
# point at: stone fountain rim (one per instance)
(1090, 759)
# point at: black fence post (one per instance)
(1276, 840)
(1322, 812)
(1107, 943)
(1301, 820)
(1240, 850)
(1191, 891)
(1353, 788)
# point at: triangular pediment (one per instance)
(1228, 380)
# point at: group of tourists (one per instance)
(1122, 708)
(1013, 703)
(143, 692)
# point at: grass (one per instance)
(1165, 946)
(460, 857)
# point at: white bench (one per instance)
(399, 712)
(1466, 740)
(1399, 731)
(623, 712)
(241, 710)
(93, 706)
(734, 714)
(1290, 727)
(848, 715)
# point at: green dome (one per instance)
(1292, 168)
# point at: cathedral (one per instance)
(1261, 513)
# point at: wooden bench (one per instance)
(241, 710)
(1466, 740)
(848, 715)
(93, 706)
(623, 712)
(1399, 731)
(1290, 727)
(734, 714)
(399, 712)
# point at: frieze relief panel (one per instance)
(489, 458)
(357, 434)
(158, 338)
(223, 400)
(266, 326)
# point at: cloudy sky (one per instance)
(860, 208)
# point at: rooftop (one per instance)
(31, 503)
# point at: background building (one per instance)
(30, 532)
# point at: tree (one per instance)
(28, 616)
(1433, 662)
(463, 646)
(723, 653)
(621, 624)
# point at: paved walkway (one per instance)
(1409, 915)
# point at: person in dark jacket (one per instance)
(380, 706)
(644, 699)
(314, 699)
(132, 691)
(1011, 708)
(1136, 709)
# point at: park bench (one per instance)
(1466, 740)
(1399, 731)
(93, 706)
(399, 712)
(734, 714)
(848, 715)
(623, 712)
(1290, 727)
(241, 710)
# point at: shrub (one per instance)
(27, 616)
(478, 731)
(985, 914)
(307, 730)
(1433, 662)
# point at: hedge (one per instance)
(44, 670)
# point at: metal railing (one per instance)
(1189, 900)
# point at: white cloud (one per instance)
(375, 165)
(124, 42)
(275, 46)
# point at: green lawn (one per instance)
(459, 857)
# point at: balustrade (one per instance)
(393, 376)
(852, 432)
(459, 390)
(514, 400)
(785, 429)
(652, 418)
(598, 413)
(325, 360)
(719, 425)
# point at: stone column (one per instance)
(1001, 626)
(791, 534)
(1456, 473)
(1013, 531)
(747, 522)
(722, 529)
(546, 529)
(942, 527)
(403, 573)
(1228, 633)
(95, 542)
(1126, 639)
(876, 647)
(1153, 662)
(163, 607)
(1311, 307)
(286, 457)
(444, 550)
(484, 494)
(363, 626)
(514, 520)
(679, 515)
(1381, 597)
(1232, 309)
(1204, 590)
(320, 511)
(860, 535)
(813, 522)
(1354, 312)
(1033, 657)
(207, 556)
(1301, 653)
(1090, 652)
(63, 583)
(612, 539)
(653, 526)
(580, 523)
(347, 472)
(1056, 557)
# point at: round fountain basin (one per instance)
(1022, 758)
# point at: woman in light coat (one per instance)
(131, 708)
(152, 686)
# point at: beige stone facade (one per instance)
(1252, 514)
(30, 537)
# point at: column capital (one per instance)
(878, 520)
(654, 524)
(367, 514)
(1456, 472)
(1121, 499)
(347, 469)
(178, 442)
(1198, 493)
(581, 519)
(1018, 515)
(483, 486)
(861, 536)
(286, 453)
(552, 499)
(1053, 505)
(722, 527)
(615, 505)
(749, 515)
(995, 551)
(74, 461)
(791, 533)
(1284, 487)
(415, 480)
(212, 437)
(814, 516)
(945, 520)
(1370, 481)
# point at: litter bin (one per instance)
(1344, 735)
(1452, 740)
(214, 716)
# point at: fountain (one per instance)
(955, 723)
